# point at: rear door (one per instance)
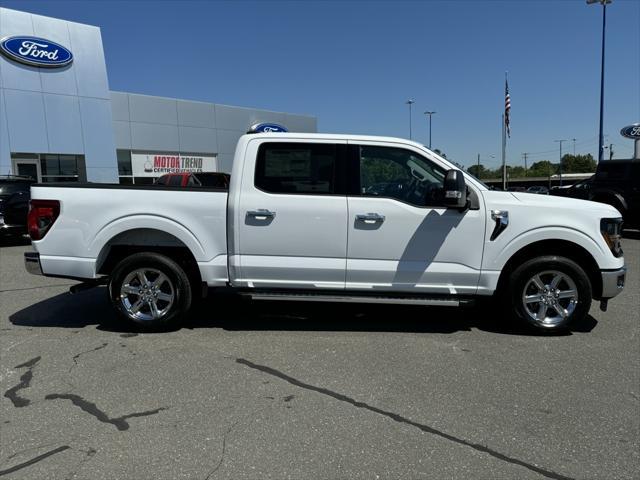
(292, 215)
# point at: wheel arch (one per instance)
(562, 248)
(139, 240)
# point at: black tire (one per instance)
(549, 268)
(171, 297)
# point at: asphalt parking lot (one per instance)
(277, 390)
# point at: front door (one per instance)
(401, 238)
(27, 168)
(292, 216)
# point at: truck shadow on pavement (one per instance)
(236, 314)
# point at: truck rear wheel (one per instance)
(150, 290)
(549, 293)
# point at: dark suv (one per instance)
(617, 183)
(15, 194)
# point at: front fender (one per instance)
(496, 256)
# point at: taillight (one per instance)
(42, 215)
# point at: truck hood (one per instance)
(556, 202)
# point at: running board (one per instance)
(303, 297)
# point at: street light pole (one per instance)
(429, 113)
(410, 102)
(560, 142)
(604, 24)
(574, 146)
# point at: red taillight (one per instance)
(42, 215)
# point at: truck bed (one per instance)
(94, 218)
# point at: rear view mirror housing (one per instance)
(455, 189)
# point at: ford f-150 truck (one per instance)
(337, 218)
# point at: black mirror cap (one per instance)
(455, 189)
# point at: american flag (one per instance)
(507, 107)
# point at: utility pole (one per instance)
(478, 171)
(611, 151)
(525, 163)
(410, 102)
(560, 142)
(574, 146)
(429, 113)
(604, 25)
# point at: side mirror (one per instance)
(455, 189)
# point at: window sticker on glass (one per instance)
(288, 163)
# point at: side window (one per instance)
(298, 168)
(400, 174)
(175, 180)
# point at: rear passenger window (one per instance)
(299, 168)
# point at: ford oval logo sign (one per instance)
(266, 128)
(35, 51)
(632, 131)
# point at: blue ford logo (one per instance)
(632, 131)
(266, 128)
(35, 51)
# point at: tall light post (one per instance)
(429, 113)
(574, 146)
(604, 24)
(410, 102)
(560, 142)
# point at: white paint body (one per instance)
(315, 242)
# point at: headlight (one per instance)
(611, 229)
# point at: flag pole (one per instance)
(504, 149)
(504, 136)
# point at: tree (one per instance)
(578, 163)
(544, 168)
(478, 171)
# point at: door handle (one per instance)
(370, 218)
(261, 214)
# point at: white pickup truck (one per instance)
(334, 218)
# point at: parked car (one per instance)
(14, 204)
(204, 179)
(617, 183)
(539, 189)
(516, 189)
(297, 223)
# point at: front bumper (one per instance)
(32, 263)
(613, 282)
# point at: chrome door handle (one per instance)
(370, 218)
(261, 214)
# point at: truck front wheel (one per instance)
(150, 290)
(550, 292)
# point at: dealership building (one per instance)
(60, 122)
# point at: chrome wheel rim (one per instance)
(549, 298)
(147, 294)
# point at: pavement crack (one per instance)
(25, 382)
(224, 441)
(92, 409)
(37, 459)
(400, 419)
(75, 357)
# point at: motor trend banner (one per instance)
(157, 164)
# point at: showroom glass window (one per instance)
(297, 168)
(400, 174)
(59, 168)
